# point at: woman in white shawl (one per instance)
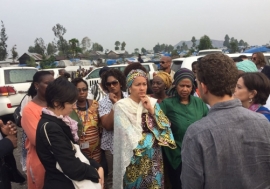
(140, 129)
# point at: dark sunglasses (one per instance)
(162, 62)
(114, 83)
(82, 90)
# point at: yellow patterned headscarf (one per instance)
(133, 74)
(166, 78)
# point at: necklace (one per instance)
(80, 110)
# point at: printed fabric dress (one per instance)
(90, 131)
(145, 166)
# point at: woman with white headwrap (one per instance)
(140, 129)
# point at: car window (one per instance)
(147, 68)
(176, 65)
(19, 75)
(93, 74)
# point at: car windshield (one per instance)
(19, 75)
(176, 65)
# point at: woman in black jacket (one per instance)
(61, 96)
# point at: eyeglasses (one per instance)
(114, 83)
(82, 90)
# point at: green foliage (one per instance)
(59, 32)
(3, 44)
(86, 44)
(51, 49)
(174, 53)
(31, 62)
(117, 44)
(48, 63)
(163, 48)
(234, 47)
(226, 42)
(136, 51)
(193, 40)
(178, 48)
(97, 47)
(40, 47)
(143, 50)
(123, 45)
(14, 53)
(184, 46)
(205, 43)
(74, 47)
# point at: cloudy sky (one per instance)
(140, 23)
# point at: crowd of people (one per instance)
(202, 128)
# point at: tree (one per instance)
(157, 48)
(59, 32)
(31, 62)
(97, 47)
(51, 48)
(75, 49)
(234, 46)
(170, 48)
(226, 42)
(3, 44)
(174, 53)
(40, 47)
(14, 53)
(241, 42)
(184, 46)
(86, 44)
(136, 51)
(178, 48)
(123, 45)
(205, 43)
(143, 50)
(117, 44)
(31, 49)
(193, 40)
(48, 63)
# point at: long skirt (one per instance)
(147, 171)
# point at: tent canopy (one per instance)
(257, 49)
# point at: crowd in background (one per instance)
(202, 128)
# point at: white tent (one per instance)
(65, 63)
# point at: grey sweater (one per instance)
(227, 149)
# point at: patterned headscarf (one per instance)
(133, 74)
(182, 73)
(166, 78)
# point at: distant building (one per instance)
(116, 54)
(26, 57)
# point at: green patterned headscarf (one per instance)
(133, 74)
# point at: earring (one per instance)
(250, 100)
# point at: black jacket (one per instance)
(61, 151)
(266, 71)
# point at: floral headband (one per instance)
(133, 74)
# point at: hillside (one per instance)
(215, 43)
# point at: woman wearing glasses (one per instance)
(87, 111)
(114, 82)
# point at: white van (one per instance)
(209, 51)
(93, 76)
(14, 84)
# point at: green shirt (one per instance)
(181, 117)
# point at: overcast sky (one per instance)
(140, 23)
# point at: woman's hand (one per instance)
(101, 176)
(147, 105)
(8, 129)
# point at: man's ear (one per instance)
(204, 88)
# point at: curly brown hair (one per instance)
(114, 73)
(259, 82)
(219, 73)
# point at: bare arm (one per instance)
(107, 121)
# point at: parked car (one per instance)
(93, 76)
(55, 70)
(177, 63)
(209, 51)
(14, 84)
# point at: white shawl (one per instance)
(127, 134)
